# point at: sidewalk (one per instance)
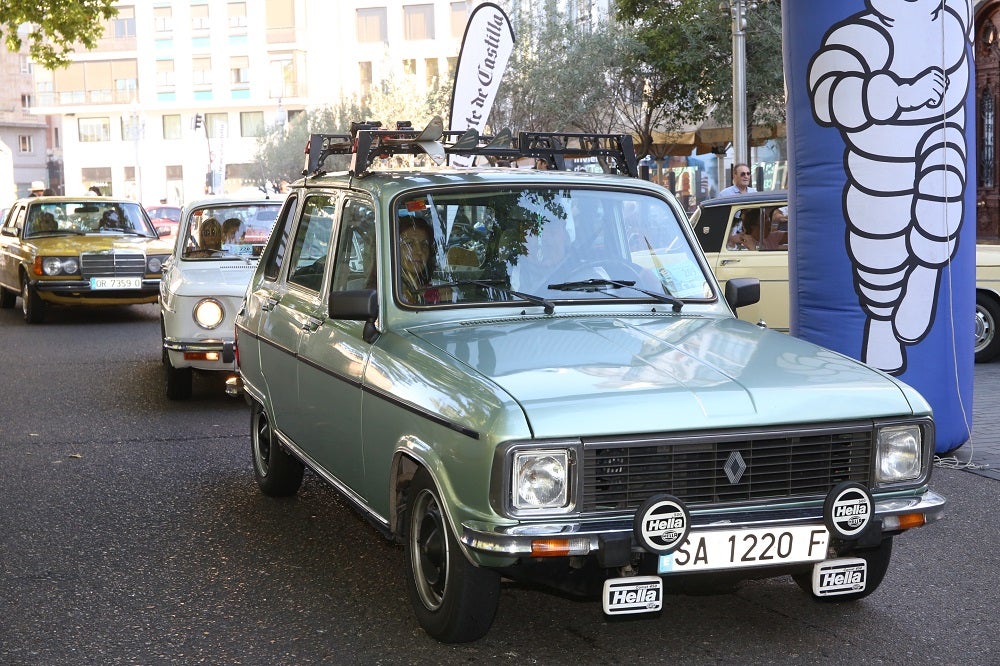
(983, 450)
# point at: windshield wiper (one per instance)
(596, 284)
(549, 306)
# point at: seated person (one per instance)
(417, 262)
(44, 223)
(210, 239)
(110, 220)
(749, 237)
(777, 239)
(231, 230)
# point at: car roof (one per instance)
(81, 198)
(233, 201)
(754, 197)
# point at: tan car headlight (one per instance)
(209, 313)
(899, 453)
(60, 265)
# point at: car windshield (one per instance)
(542, 245)
(86, 217)
(228, 231)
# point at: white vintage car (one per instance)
(218, 243)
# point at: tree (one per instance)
(689, 42)
(54, 29)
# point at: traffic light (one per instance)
(197, 121)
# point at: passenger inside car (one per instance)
(231, 230)
(417, 262)
(210, 239)
(777, 238)
(45, 222)
(748, 237)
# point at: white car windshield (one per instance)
(543, 244)
(227, 231)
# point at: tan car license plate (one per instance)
(115, 283)
(738, 549)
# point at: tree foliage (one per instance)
(53, 29)
(689, 42)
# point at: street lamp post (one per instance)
(738, 12)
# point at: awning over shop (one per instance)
(707, 137)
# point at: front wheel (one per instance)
(454, 601)
(987, 336)
(878, 563)
(32, 305)
(278, 473)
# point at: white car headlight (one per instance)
(209, 313)
(540, 479)
(899, 453)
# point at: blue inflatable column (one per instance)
(881, 130)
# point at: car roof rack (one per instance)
(368, 142)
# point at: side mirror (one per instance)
(356, 305)
(9, 231)
(742, 291)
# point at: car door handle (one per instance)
(726, 262)
(268, 304)
(311, 324)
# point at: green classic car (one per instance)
(533, 374)
(87, 251)
(717, 223)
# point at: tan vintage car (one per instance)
(87, 251)
(719, 223)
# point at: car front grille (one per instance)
(112, 264)
(724, 468)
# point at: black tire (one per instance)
(878, 563)
(454, 600)
(7, 298)
(987, 319)
(32, 305)
(179, 382)
(278, 473)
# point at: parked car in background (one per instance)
(533, 374)
(216, 251)
(718, 221)
(165, 219)
(88, 251)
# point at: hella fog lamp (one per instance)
(209, 313)
(899, 453)
(541, 479)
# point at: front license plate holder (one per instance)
(710, 550)
(634, 594)
(104, 283)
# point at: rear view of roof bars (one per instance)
(368, 142)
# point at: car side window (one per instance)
(355, 268)
(275, 252)
(311, 246)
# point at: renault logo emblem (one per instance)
(734, 467)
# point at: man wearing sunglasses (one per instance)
(741, 181)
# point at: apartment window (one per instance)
(123, 24)
(26, 101)
(172, 127)
(365, 77)
(372, 25)
(93, 130)
(459, 18)
(433, 72)
(163, 19)
(27, 66)
(237, 12)
(25, 144)
(199, 17)
(283, 77)
(409, 67)
(252, 123)
(165, 73)
(217, 125)
(239, 70)
(418, 22)
(201, 71)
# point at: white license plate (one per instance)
(739, 549)
(115, 283)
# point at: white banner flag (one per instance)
(486, 49)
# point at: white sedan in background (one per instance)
(218, 245)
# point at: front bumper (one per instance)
(208, 354)
(79, 291)
(597, 536)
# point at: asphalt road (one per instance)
(131, 532)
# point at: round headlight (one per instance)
(209, 313)
(71, 265)
(154, 264)
(52, 265)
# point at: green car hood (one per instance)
(598, 375)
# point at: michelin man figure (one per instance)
(893, 80)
